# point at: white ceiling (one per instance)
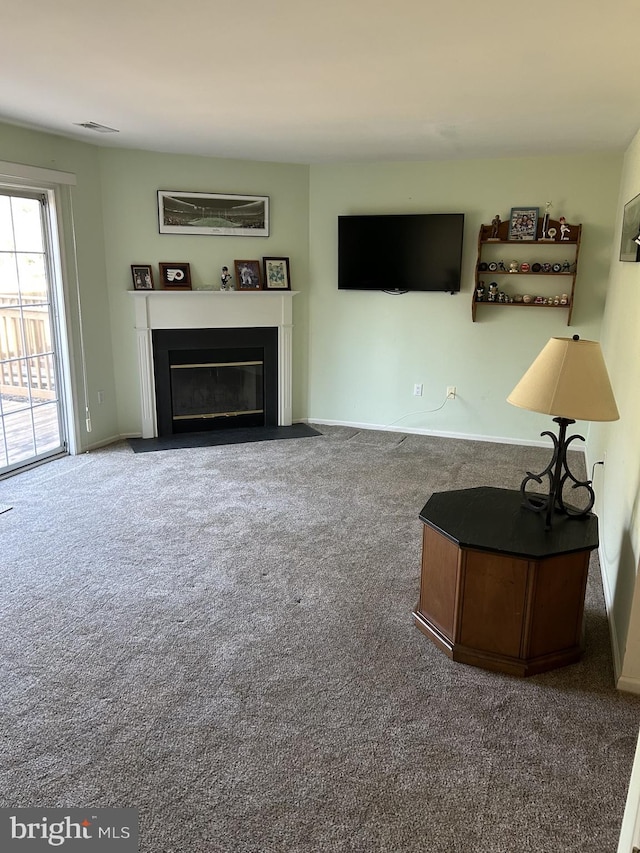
(308, 81)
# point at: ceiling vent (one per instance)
(99, 128)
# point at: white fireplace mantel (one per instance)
(211, 309)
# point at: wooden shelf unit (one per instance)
(485, 255)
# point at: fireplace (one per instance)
(186, 315)
(207, 379)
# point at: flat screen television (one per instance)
(400, 252)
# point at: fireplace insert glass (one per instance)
(216, 389)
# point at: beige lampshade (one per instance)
(568, 379)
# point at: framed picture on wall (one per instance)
(630, 240)
(248, 275)
(175, 275)
(276, 274)
(142, 276)
(523, 223)
(213, 213)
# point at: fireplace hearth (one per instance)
(211, 379)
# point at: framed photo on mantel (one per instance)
(175, 276)
(276, 274)
(248, 275)
(142, 276)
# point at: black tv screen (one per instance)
(400, 252)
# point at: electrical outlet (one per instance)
(451, 392)
(417, 389)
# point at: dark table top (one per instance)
(490, 519)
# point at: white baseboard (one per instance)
(494, 439)
(629, 685)
(613, 634)
(96, 445)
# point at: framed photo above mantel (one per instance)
(523, 223)
(213, 214)
(175, 275)
(276, 274)
(630, 240)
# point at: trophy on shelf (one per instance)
(545, 223)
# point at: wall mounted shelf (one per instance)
(492, 248)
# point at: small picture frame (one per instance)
(630, 239)
(276, 274)
(523, 223)
(142, 276)
(175, 275)
(248, 275)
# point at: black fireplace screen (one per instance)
(217, 389)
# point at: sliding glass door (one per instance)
(31, 415)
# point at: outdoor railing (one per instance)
(26, 359)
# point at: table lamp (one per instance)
(568, 379)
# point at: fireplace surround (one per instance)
(215, 378)
(215, 312)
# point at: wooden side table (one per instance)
(497, 590)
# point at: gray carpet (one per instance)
(222, 638)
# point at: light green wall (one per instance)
(356, 355)
(130, 181)
(20, 145)
(617, 483)
(368, 349)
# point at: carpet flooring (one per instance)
(221, 637)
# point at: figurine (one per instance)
(564, 229)
(480, 292)
(556, 300)
(564, 299)
(552, 233)
(539, 300)
(493, 292)
(524, 267)
(495, 227)
(513, 266)
(566, 267)
(225, 279)
(502, 296)
(501, 266)
(526, 298)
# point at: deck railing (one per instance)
(26, 358)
